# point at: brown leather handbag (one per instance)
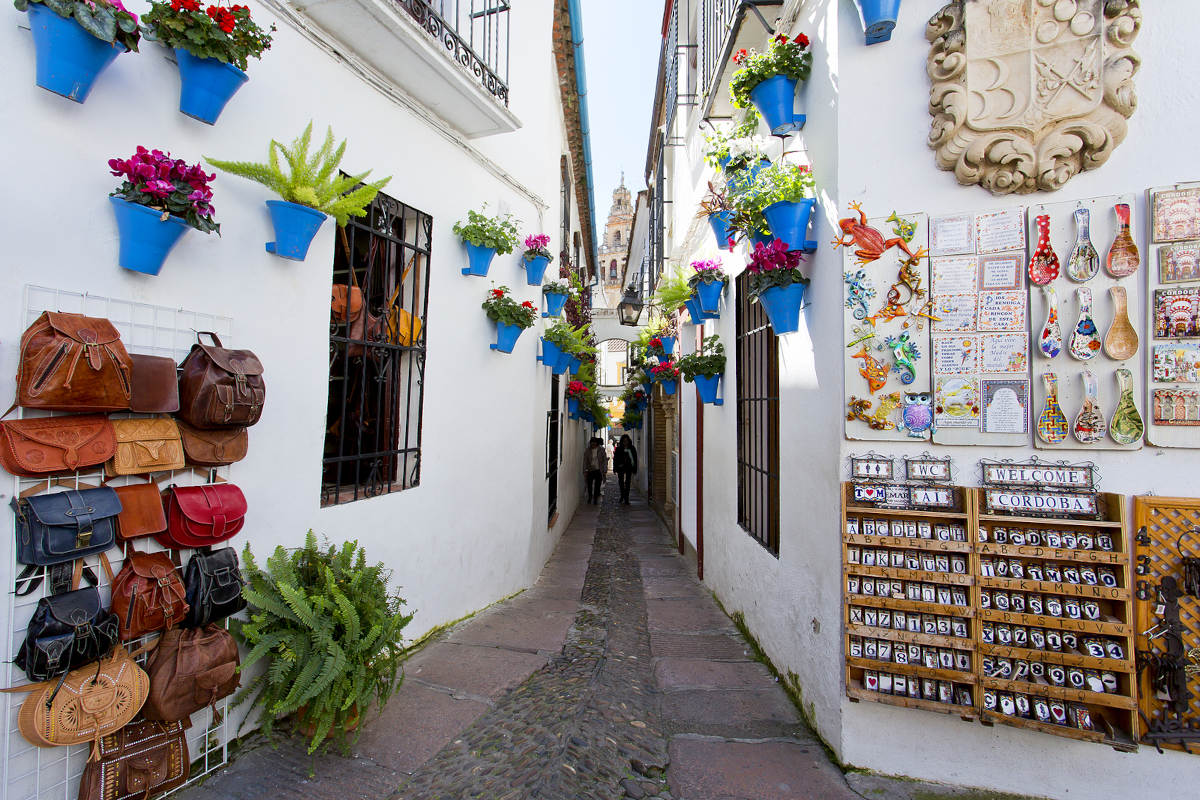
(141, 760)
(189, 669)
(220, 388)
(215, 448)
(70, 362)
(145, 445)
(147, 594)
(141, 511)
(201, 516)
(32, 448)
(155, 385)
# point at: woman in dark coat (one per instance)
(625, 465)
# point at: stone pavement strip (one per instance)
(616, 675)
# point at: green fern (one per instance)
(327, 622)
(310, 180)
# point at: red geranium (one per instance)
(782, 39)
(656, 342)
(497, 293)
(802, 39)
(739, 56)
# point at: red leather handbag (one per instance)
(201, 516)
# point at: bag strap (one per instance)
(350, 261)
(216, 339)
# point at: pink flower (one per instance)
(159, 188)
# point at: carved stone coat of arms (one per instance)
(1026, 93)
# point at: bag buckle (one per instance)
(240, 379)
(164, 581)
(83, 539)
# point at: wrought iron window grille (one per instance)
(475, 35)
(758, 421)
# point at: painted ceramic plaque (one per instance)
(1028, 93)
(1179, 262)
(871, 468)
(1176, 407)
(1176, 215)
(1034, 502)
(1048, 476)
(1176, 312)
(1177, 363)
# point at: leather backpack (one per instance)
(67, 631)
(89, 703)
(141, 760)
(141, 511)
(70, 362)
(155, 387)
(214, 586)
(41, 446)
(189, 669)
(213, 448)
(220, 388)
(201, 516)
(147, 594)
(145, 445)
(62, 526)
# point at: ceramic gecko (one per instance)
(905, 351)
(877, 421)
(871, 244)
(875, 372)
(905, 229)
(917, 417)
(892, 307)
(858, 291)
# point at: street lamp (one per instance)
(630, 307)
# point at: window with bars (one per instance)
(758, 421)
(377, 336)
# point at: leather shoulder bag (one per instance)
(145, 445)
(41, 446)
(62, 526)
(70, 362)
(141, 760)
(155, 387)
(189, 669)
(220, 388)
(214, 586)
(66, 631)
(213, 448)
(141, 511)
(201, 516)
(87, 704)
(147, 594)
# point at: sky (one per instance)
(621, 43)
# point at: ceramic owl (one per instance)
(917, 416)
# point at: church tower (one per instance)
(614, 248)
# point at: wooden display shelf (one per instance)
(875, 601)
(1074, 659)
(915, 575)
(910, 637)
(1103, 558)
(856, 692)
(1109, 626)
(918, 670)
(1084, 590)
(906, 543)
(1061, 693)
(930, 514)
(1045, 727)
(1054, 522)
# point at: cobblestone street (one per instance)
(615, 676)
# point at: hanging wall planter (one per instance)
(554, 304)
(782, 304)
(707, 388)
(575, 364)
(536, 257)
(668, 344)
(768, 81)
(295, 227)
(709, 297)
(535, 270)
(68, 58)
(704, 367)
(879, 19)
(669, 386)
(146, 238)
(206, 85)
(510, 317)
(698, 315)
(551, 355)
(573, 407)
(789, 222)
(479, 260)
(506, 337)
(758, 237)
(720, 225)
(484, 237)
(775, 99)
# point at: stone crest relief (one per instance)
(1026, 93)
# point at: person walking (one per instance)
(625, 465)
(595, 467)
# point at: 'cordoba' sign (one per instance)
(1049, 476)
(1025, 501)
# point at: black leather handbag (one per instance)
(63, 526)
(214, 586)
(67, 631)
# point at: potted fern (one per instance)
(705, 368)
(510, 317)
(486, 236)
(670, 297)
(332, 632)
(75, 40)
(311, 188)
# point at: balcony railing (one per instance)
(475, 34)
(716, 20)
(721, 32)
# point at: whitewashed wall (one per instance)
(475, 530)
(866, 134)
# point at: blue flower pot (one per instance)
(789, 222)
(775, 99)
(295, 227)
(782, 304)
(709, 295)
(693, 307)
(669, 387)
(757, 237)
(564, 363)
(554, 303)
(668, 343)
(550, 354)
(707, 389)
(206, 85)
(575, 365)
(879, 19)
(573, 406)
(68, 59)
(648, 388)
(506, 337)
(720, 225)
(479, 259)
(146, 238)
(535, 270)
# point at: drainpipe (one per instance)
(699, 474)
(576, 17)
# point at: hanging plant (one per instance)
(498, 233)
(707, 362)
(789, 58)
(501, 307)
(777, 282)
